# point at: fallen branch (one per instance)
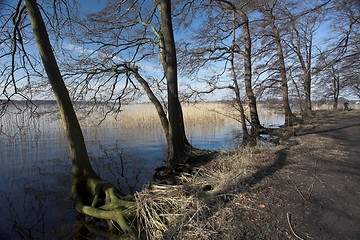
(291, 228)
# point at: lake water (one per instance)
(35, 166)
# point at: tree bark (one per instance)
(178, 144)
(85, 178)
(307, 78)
(255, 122)
(307, 88)
(289, 116)
(238, 99)
(81, 164)
(336, 87)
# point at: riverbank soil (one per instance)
(309, 189)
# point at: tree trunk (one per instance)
(255, 122)
(159, 108)
(254, 117)
(87, 189)
(336, 87)
(178, 144)
(235, 83)
(335, 103)
(306, 67)
(289, 116)
(307, 77)
(307, 88)
(81, 164)
(239, 102)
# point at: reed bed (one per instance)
(196, 208)
(145, 115)
(200, 114)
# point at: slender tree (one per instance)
(337, 64)
(304, 25)
(236, 87)
(86, 180)
(305, 61)
(247, 56)
(268, 11)
(217, 42)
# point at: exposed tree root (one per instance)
(97, 198)
(168, 174)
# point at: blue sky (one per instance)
(155, 68)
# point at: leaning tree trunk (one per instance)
(85, 179)
(254, 117)
(306, 68)
(78, 152)
(178, 148)
(238, 100)
(159, 108)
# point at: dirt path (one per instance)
(328, 179)
(313, 189)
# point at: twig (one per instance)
(296, 187)
(291, 228)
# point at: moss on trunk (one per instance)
(99, 199)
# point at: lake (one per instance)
(35, 167)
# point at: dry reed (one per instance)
(135, 116)
(194, 209)
(160, 207)
(145, 115)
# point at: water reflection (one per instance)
(35, 167)
(35, 204)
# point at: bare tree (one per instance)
(93, 196)
(129, 35)
(304, 25)
(268, 10)
(178, 143)
(331, 84)
(339, 78)
(247, 56)
(217, 42)
(303, 39)
(338, 60)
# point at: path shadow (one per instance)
(311, 131)
(250, 181)
(259, 175)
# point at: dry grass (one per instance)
(196, 209)
(160, 207)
